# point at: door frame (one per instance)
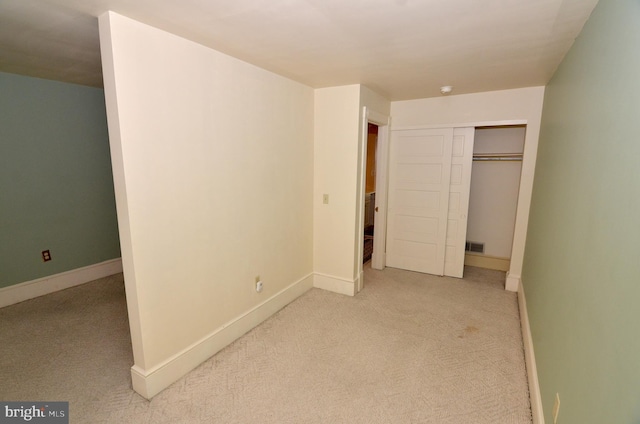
(382, 167)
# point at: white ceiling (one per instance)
(403, 49)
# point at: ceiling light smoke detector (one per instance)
(446, 89)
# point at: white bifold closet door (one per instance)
(429, 181)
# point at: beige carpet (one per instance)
(410, 348)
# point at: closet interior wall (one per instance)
(495, 182)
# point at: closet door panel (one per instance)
(418, 208)
(459, 190)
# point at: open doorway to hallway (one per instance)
(370, 192)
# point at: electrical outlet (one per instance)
(556, 409)
(46, 256)
(325, 199)
(258, 284)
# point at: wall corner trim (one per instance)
(149, 383)
(335, 284)
(513, 283)
(359, 282)
(530, 360)
(31, 289)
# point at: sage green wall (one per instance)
(582, 260)
(56, 186)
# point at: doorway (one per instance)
(375, 215)
(370, 192)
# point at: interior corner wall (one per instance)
(506, 106)
(56, 185)
(213, 169)
(581, 271)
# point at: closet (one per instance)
(448, 203)
(495, 181)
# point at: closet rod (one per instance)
(497, 157)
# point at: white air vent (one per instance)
(473, 246)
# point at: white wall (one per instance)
(494, 190)
(213, 168)
(374, 101)
(508, 107)
(335, 173)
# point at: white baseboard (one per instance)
(52, 283)
(487, 261)
(530, 360)
(149, 383)
(334, 284)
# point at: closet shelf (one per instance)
(497, 157)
